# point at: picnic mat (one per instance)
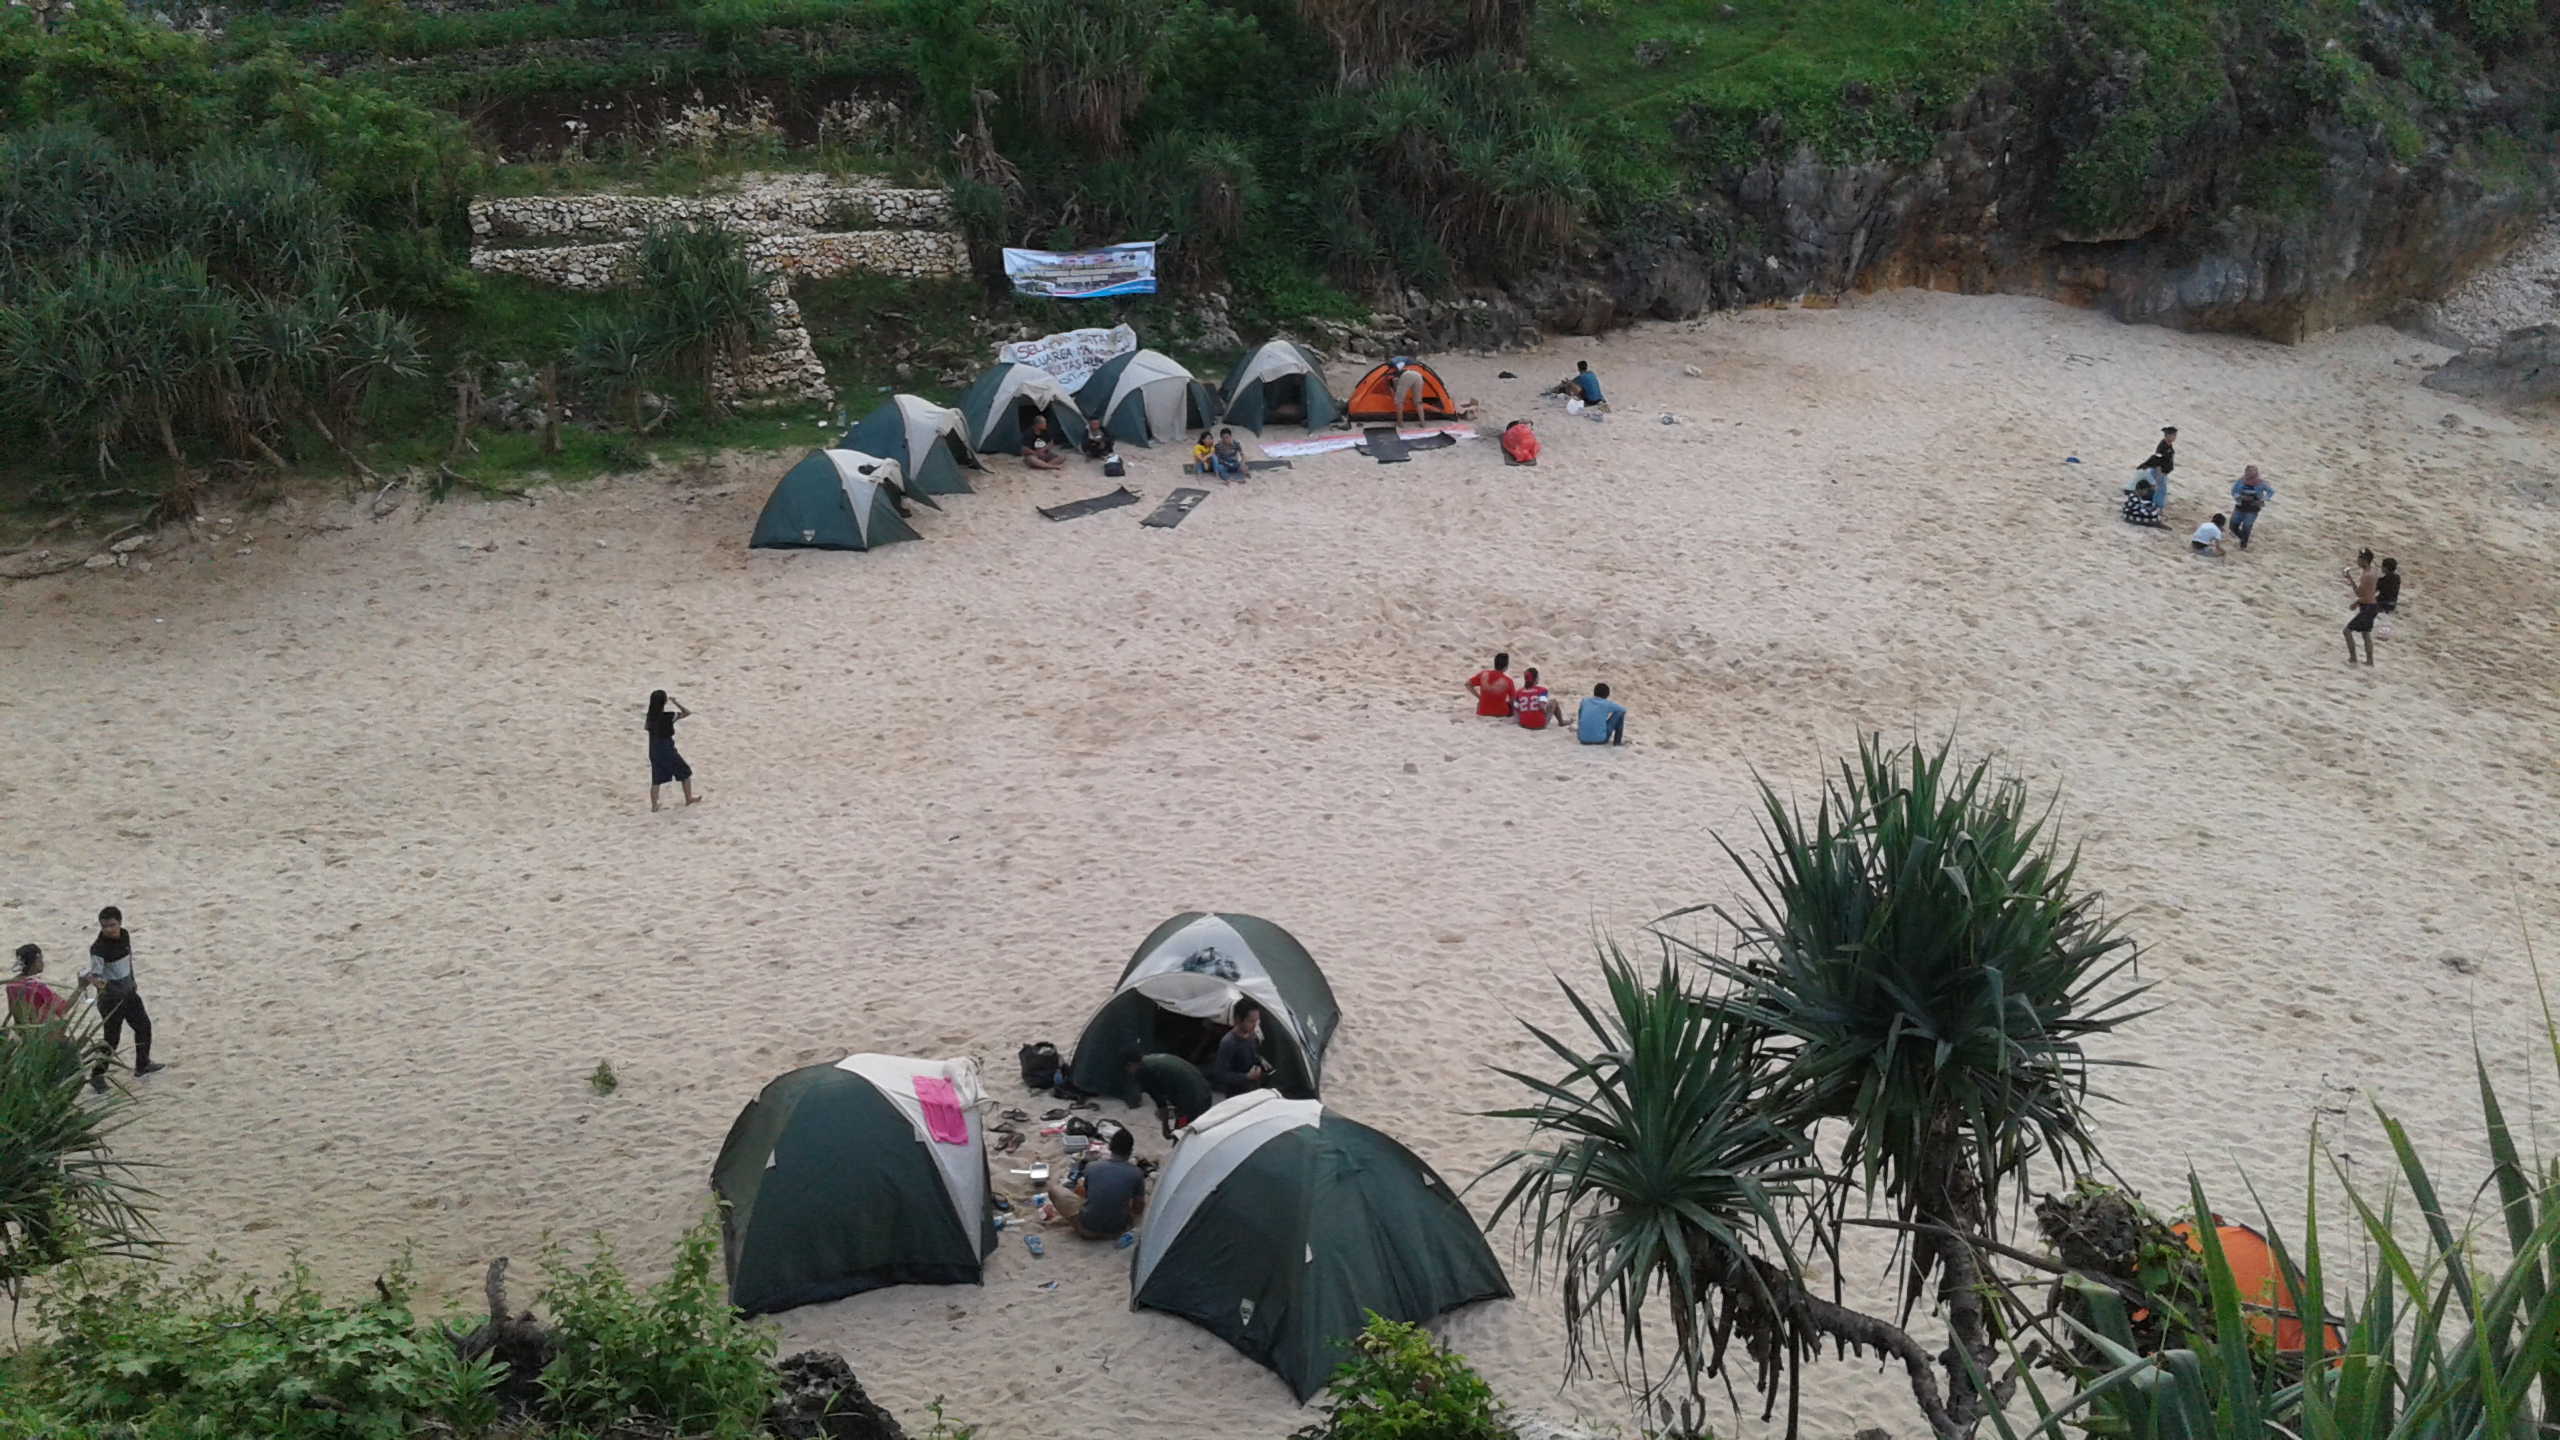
(1319, 444)
(1268, 465)
(1382, 444)
(1078, 509)
(1175, 506)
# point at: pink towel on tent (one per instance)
(942, 1114)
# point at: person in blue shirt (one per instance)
(2249, 495)
(1584, 386)
(1601, 720)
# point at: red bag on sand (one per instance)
(1520, 443)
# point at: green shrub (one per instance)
(677, 1352)
(1400, 1384)
(62, 1192)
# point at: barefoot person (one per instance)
(2360, 578)
(666, 767)
(110, 973)
(2249, 495)
(1408, 388)
(1110, 1198)
(1532, 704)
(1039, 450)
(2163, 459)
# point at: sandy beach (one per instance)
(372, 792)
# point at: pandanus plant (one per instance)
(1902, 1016)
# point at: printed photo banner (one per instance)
(1083, 274)
(1071, 356)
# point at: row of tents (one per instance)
(1277, 1223)
(846, 497)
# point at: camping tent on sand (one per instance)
(1145, 397)
(1374, 398)
(998, 406)
(832, 500)
(833, 1182)
(1276, 1223)
(930, 444)
(1175, 993)
(1278, 382)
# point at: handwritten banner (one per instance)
(1071, 356)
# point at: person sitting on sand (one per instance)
(2386, 587)
(1531, 703)
(1600, 720)
(31, 1001)
(1239, 1066)
(2140, 508)
(1038, 450)
(1097, 441)
(2249, 495)
(2156, 469)
(1227, 457)
(1180, 1091)
(1110, 1198)
(1201, 450)
(2208, 537)
(1493, 688)
(1582, 385)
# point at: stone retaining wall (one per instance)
(787, 206)
(908, 254)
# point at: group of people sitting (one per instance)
(1598, 720)
(1223, 458)
(1109, 1195)
(2146, 499)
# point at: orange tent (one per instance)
(2261, 1282)
(1374, 398)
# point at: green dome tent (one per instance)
(1279, 382)
(1145, 397)
(832, 1184)
(1277, 1223)
(998, 406)
(1176, 991)
(930, 444)
(832, 500)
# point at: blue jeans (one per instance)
(1617, 732)
(2242, 522)
(1226, 469)
(2159, 486)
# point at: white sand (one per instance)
(373, 801)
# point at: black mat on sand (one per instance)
(1175, 506)
(1078, 509)
(1384, 445)
(1268, 465)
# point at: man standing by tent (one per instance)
(1112, 1197)
(1239, 1065)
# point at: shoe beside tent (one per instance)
(1176, 992)
(930, 444)
(1374, 398)
(832, 500)
(833, 1184)
(1145, 397)
(1277, 1223)
(1278, 378)
(998, 406)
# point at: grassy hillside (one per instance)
(1307, 155)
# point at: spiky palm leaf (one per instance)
(1923, 947)
(1661, 1168)
(62, 1191)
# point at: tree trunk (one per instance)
(551, 408)
(311, 412)
(466, 389)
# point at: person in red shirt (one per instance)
(31, 1001)
(1532, 704)
(1492, 688)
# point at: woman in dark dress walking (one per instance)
(665, 765)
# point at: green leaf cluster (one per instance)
(675, 1351)
(1400, 1384)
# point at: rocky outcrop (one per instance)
(2361, 237)
(785, 204)
(907, 254)
(2519, 371)
(821, 1400)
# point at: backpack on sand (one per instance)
(1040, 1065)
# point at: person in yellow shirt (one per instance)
(1201, 452)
